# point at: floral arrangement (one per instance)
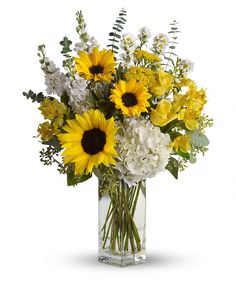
(130, 109)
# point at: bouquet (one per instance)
(124, 113)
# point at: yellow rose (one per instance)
(163, 114)
(163, 82)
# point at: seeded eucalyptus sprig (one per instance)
(172, 44)
(117, 28)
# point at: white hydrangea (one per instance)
(144, 34)
(78, 94)
(160, 42)
(143, 150)
(54, 79)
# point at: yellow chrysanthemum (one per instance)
(89, 141)
(147, 56)
(130, 97)
(141, 74)
(181, 143)
(97, 66)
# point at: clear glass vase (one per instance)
(122, 222)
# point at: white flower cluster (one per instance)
(54, 78)
(143, 150)
(185, 66)
(78, 94)
(127, 42)
(57, 83)
(144, 35)
(88, 46)
(160, 42)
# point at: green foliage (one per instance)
(117, 28)
(204, 122)
(173, 167)
(198, 139)
(35, 97)
(73, 180)
(55, 143)
(66, 43)
(100, 93)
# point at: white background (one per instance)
(48, 231)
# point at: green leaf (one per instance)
(54, 142)
(173, 167)
(192, 158)
(185, 155)
(66, 43)
(114, 34)
(198, 139)
(73, 180)
(113, 46)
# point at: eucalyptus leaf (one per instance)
(198, 139)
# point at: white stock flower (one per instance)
(78, 94)
(54, 79)
(143, 150)
(88, 46)
(80, 46)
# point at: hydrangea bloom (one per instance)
(143, 150)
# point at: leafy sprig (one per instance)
(117, 28)
(168, 55)
(35, 97)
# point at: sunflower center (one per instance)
(96, 69)
(129, 99)
(93, 141)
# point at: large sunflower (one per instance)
(130, 97)
(97, 66)
(89, 141)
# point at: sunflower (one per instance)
(97, 66)
(130, 97)
(89, 141)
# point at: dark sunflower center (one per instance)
(93, 141)
(129, 99)
(96, 69)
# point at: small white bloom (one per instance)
(144, 34)
(160, 42)
(127, 42)
(186, 66)
(143, 150)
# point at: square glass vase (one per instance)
(121, 222)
